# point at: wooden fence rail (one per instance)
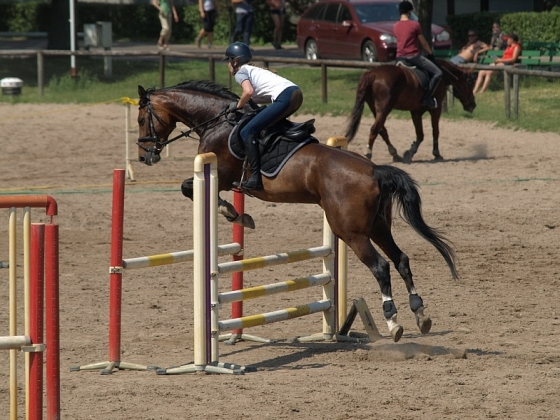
(509, 71)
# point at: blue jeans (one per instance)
(243, 25)
(285, 105)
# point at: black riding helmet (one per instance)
(405, 7)
(239, 51)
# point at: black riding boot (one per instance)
(254, 158)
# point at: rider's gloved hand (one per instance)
(232, 107)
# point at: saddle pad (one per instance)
(420, 74)
(274, 158)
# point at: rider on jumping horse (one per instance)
(263, 86)
(409, 33)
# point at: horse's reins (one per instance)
(154, 138)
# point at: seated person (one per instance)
(511, 55)
(469, 53)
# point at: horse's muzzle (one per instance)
(150, 158)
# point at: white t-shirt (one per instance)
(208, 5)
(267, 85)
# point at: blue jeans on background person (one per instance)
(243, 25)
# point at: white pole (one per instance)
(73, 71)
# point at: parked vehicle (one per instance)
(355, 30)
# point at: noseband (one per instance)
(154, 138)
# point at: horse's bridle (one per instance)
(158, 145)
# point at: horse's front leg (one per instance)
(436, 114)
(224, 208)
(392, 149)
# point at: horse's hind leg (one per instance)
(379, 267)
(417, 120)
(392, 149)
(436, 114)
(381, 235)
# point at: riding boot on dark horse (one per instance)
(356, 195)
(391, 87)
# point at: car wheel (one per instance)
(369, 52)
(311, 50)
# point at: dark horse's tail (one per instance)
(395, 184)
(363, 87)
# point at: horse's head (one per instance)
(153, 128)
(463, 84)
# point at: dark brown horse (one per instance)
(388, 87)
(355, 194)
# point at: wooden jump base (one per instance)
(116, 269)
(41, 275)
(207, 270)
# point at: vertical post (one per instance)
(37, 255)
(211, 180)
(128, 166)
(161, 70)
(26, 287)
(329, 316)
(324, 83)
(52, 320)
(199, 248)
(515, 96)
(237, 278)
(507, 94)
(212, 68)
(40, 73)
(115, 276)
(12, 292)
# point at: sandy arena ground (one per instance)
(493, 349)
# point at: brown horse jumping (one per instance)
(355, 194)
(386, 88)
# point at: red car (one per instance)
(355, 30)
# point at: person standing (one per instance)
(263, 86)
(166, 12)
(208, 14)
(277, 14)
(497, 41)
(409, 34)
(244, 17)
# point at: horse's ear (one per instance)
(141, 92)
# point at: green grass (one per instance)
(539, 102)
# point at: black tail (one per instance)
(395, 184)
(358, 110)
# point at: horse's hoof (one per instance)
(397, 158)
(438, 157)
(407, 157)
(424, 322)
(368, 155)
(246, 220)
(396, 333)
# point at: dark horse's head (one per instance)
(196, 103)
(462, 82)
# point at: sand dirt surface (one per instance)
(493, 351)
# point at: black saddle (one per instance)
(422, 75)
(276, 144)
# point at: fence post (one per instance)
(161, 70)
(324, 83)
(507, 94)
(40, 73)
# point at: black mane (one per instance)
(204, 86)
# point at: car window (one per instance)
(331, 12)
(376, 12)
(315, 13)
(344, 14)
